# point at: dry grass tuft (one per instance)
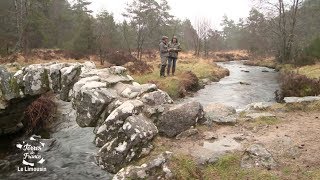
(269, 62)
(38, 115)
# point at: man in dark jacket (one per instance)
(164, 54)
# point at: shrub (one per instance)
(313, 49)
(304, 60)
(139, 67)
(119, 58)
(310, 54)
(189, 82)
(293, 84)
(38, 114)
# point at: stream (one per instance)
(71, 155)
(258, 84)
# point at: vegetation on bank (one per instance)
(310, 71)
(189, 74)
(227, 167)
(293, 84)
(264, 62)
(185, 167)
(294, 80)
(39, 115)
(293, 107)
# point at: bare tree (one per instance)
(147, 16)
(22, 11)
(202, 26)
(283, 17)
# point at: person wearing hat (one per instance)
(174, 47)
(164, 54)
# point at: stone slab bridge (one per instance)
(126, 115)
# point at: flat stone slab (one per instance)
(259, 115)
(221, 114)
(210, 152)
(301, 99)
(258, 156)
(257, 105)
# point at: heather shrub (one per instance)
(293, 84)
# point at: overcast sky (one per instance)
(191, 9)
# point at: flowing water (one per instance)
(257, 85)
(69, 153)
(71, 156)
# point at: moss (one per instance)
(45, 79)
(14, 86)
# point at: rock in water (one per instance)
(258, 156)
(245, 83)
(131, 141)
(180, 118)
(155, 169)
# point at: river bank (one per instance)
(262, 141)
(294, 80)
(286, 150)
(136, 123)
(192, 74)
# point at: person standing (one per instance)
(164, 54)
(175, 48)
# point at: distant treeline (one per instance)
(288, 31)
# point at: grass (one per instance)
(313, 174)
(264, 62)
(258, 122)
(266, 121)
(185, 168)
(311, 71)
(169, 84)
(291, 107)
(200, 67)
(227, 167)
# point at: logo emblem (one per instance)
(32, 159)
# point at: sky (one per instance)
(213, 10)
